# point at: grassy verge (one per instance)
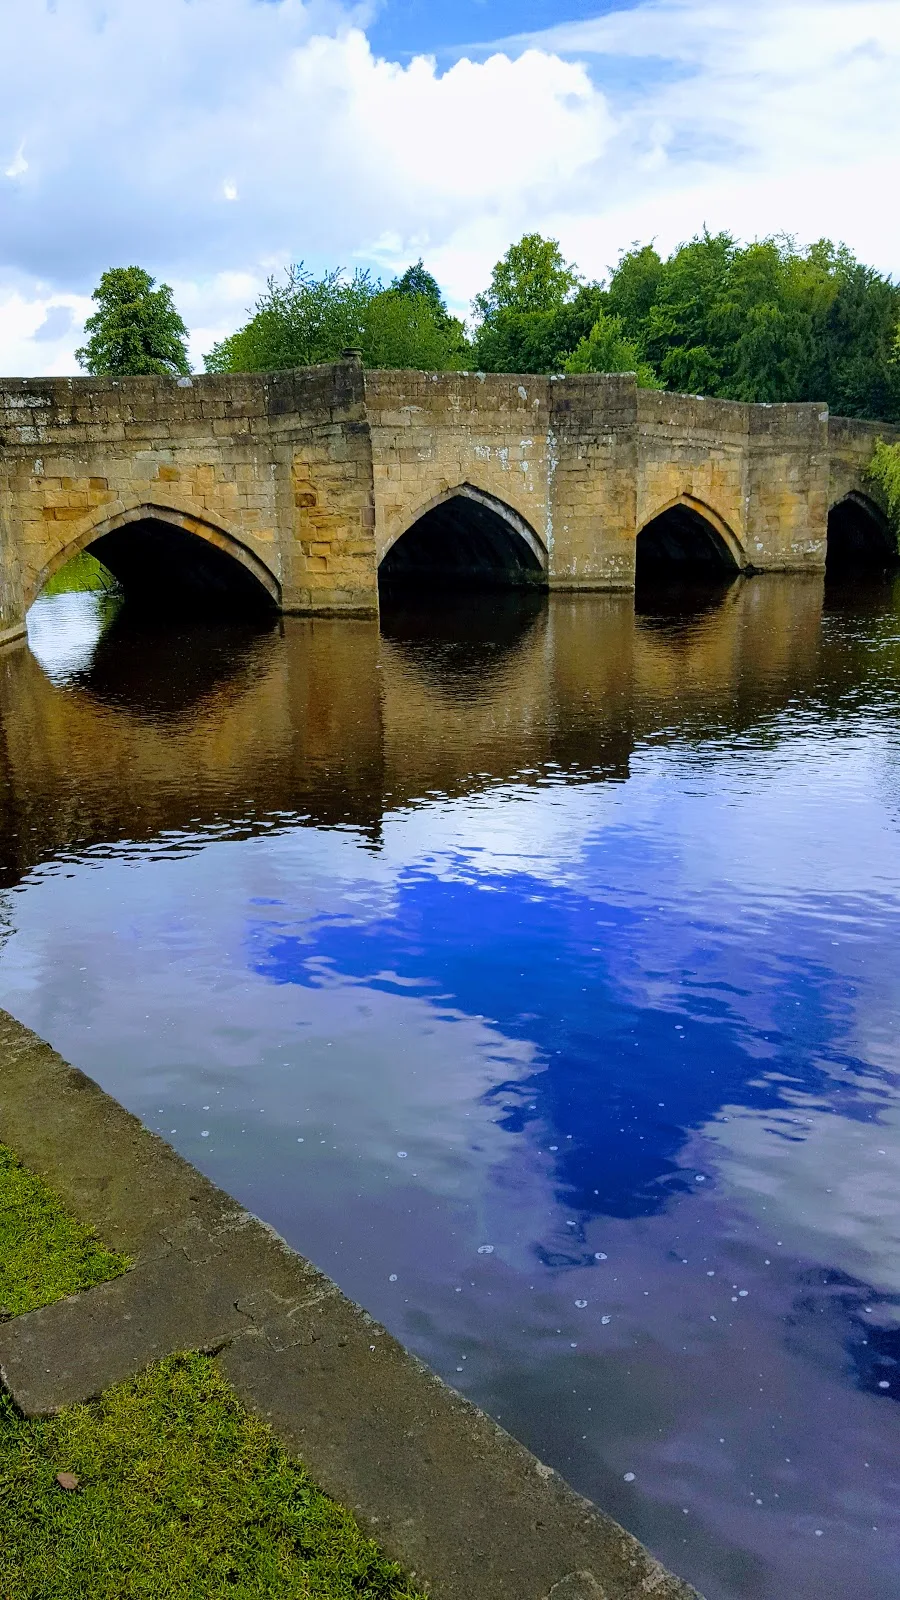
(178, 1493)
(44, 1252)
(182, 1496)
(84, 574)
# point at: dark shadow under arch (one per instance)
(466, 540)
(681, 542)
(859, 538)
(168, 563)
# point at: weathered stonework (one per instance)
(309, 478)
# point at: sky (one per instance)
(215, 141)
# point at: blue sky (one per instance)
(448, 27)
(214, 141)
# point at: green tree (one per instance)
(532, 276)
(884, 473)
(408, 330)
(297, 323)
(763, 322)
(607, 349)
(634, 287)
(304, 320)
(136, 328)
(417, 280)
(534, 310)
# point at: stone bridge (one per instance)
(304, 490)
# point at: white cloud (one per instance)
(230, 137)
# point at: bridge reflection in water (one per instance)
(234, 726)
(530, 963)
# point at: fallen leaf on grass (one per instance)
(68, 1480)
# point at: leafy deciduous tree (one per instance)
(305, 320)
(606, 349)
(136, 328)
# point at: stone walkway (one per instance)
(467, 1510)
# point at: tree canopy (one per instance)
(304, 320)
(136, 328)
(766, 321)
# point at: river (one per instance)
(531, 965)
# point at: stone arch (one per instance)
(686, 536)
(466, 536)
(860, 537)
(159, 549)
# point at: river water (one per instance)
(533, 968)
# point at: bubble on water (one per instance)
(884, 1384)
(605, 1320)
(205, 1133)
(554, 1147)
(485, 1249)
(699, 1178)
(581, 1304)
(392, 1278)
(600, 1255)
(401, 1154)
(300, 1140)
(743, 1293)
(629, 1477)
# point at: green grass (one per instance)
(83, 574)
(44, 1252)
(183, 1496)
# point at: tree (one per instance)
(403, 329)
(763, 322)
(534, 310)
(532, 276)
(305, 320)
(606, 349)
(136, 328)
(417, 280)
(884, 473)
(297, 323)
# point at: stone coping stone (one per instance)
(469, 1512)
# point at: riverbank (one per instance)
(164, 1485)
(459, 1504)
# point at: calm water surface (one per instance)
(534, 969)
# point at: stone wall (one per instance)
(432, 432)
(309, 477)
(850, 447)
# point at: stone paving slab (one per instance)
(462, 1505)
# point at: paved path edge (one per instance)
(462, 1505)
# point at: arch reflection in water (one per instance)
(563, 931)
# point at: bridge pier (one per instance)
(316, 480)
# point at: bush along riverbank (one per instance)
(165, 1486)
